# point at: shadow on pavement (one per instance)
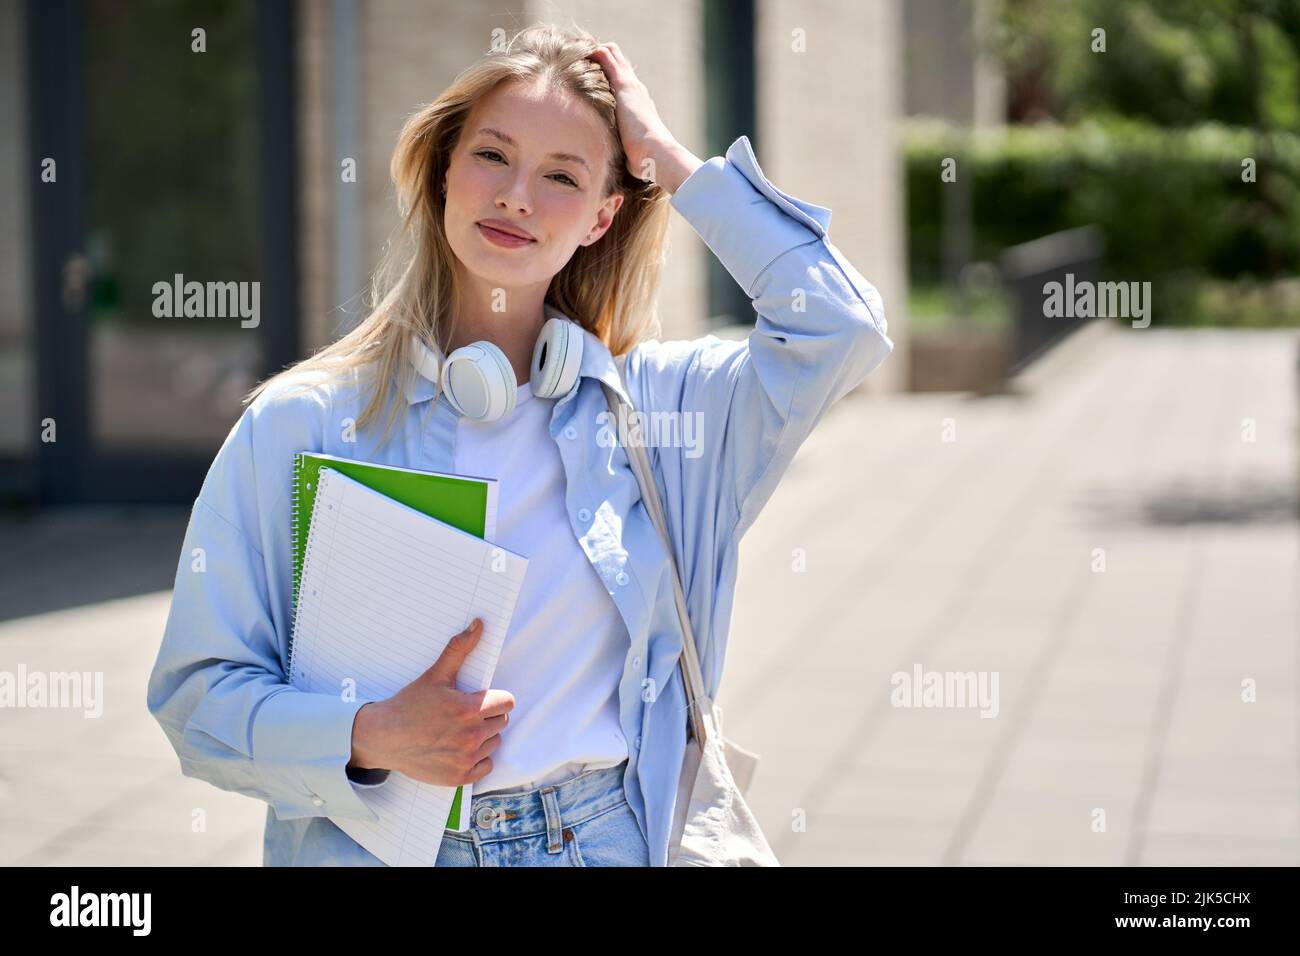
(71, 557)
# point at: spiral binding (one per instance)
(322, 475)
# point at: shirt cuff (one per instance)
(302, 743)
(745, 220)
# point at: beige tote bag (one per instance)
(712, 825)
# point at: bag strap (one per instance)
(692, 676)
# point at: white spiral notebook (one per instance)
(383, 589)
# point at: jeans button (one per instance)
(584, 515)
(485, 817)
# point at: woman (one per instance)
(576, 751)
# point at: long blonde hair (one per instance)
(609, 287)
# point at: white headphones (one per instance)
(480, 381)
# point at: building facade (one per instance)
(156, 147)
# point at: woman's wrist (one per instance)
(674, 164)
(366, 751)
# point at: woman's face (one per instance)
(535, 159)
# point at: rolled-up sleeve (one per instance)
(820, 329)
(218, 686)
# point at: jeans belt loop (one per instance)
(554, 834)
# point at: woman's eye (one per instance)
(488, 153)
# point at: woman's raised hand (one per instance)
(653, 153)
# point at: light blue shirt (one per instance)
(218, 686)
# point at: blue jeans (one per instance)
(582, 821)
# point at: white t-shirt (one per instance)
(564, 654)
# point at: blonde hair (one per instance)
(608, 287)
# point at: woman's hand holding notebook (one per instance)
(383, 588)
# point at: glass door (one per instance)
(167, 288)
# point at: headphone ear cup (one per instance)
(557, 358)
(480, 382)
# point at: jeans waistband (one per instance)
(546, 810)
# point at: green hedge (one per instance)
(1171, 203)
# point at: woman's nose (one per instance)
(516, 198)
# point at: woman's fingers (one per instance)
(613, 58)
(486, 749)
(479, 770)
(617, 52)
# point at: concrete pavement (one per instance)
(1110, 545)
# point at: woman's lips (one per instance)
(503, 239)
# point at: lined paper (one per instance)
(384, 588)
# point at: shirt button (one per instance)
(318, 801)
(621, 577)
(584, 515)
(485, 817)
(637, 745)
(636, 662)
(570, 433)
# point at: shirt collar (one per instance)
(597, 363)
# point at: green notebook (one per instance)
(463, 501)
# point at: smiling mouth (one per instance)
(504, 238)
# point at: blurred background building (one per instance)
(227, 165)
